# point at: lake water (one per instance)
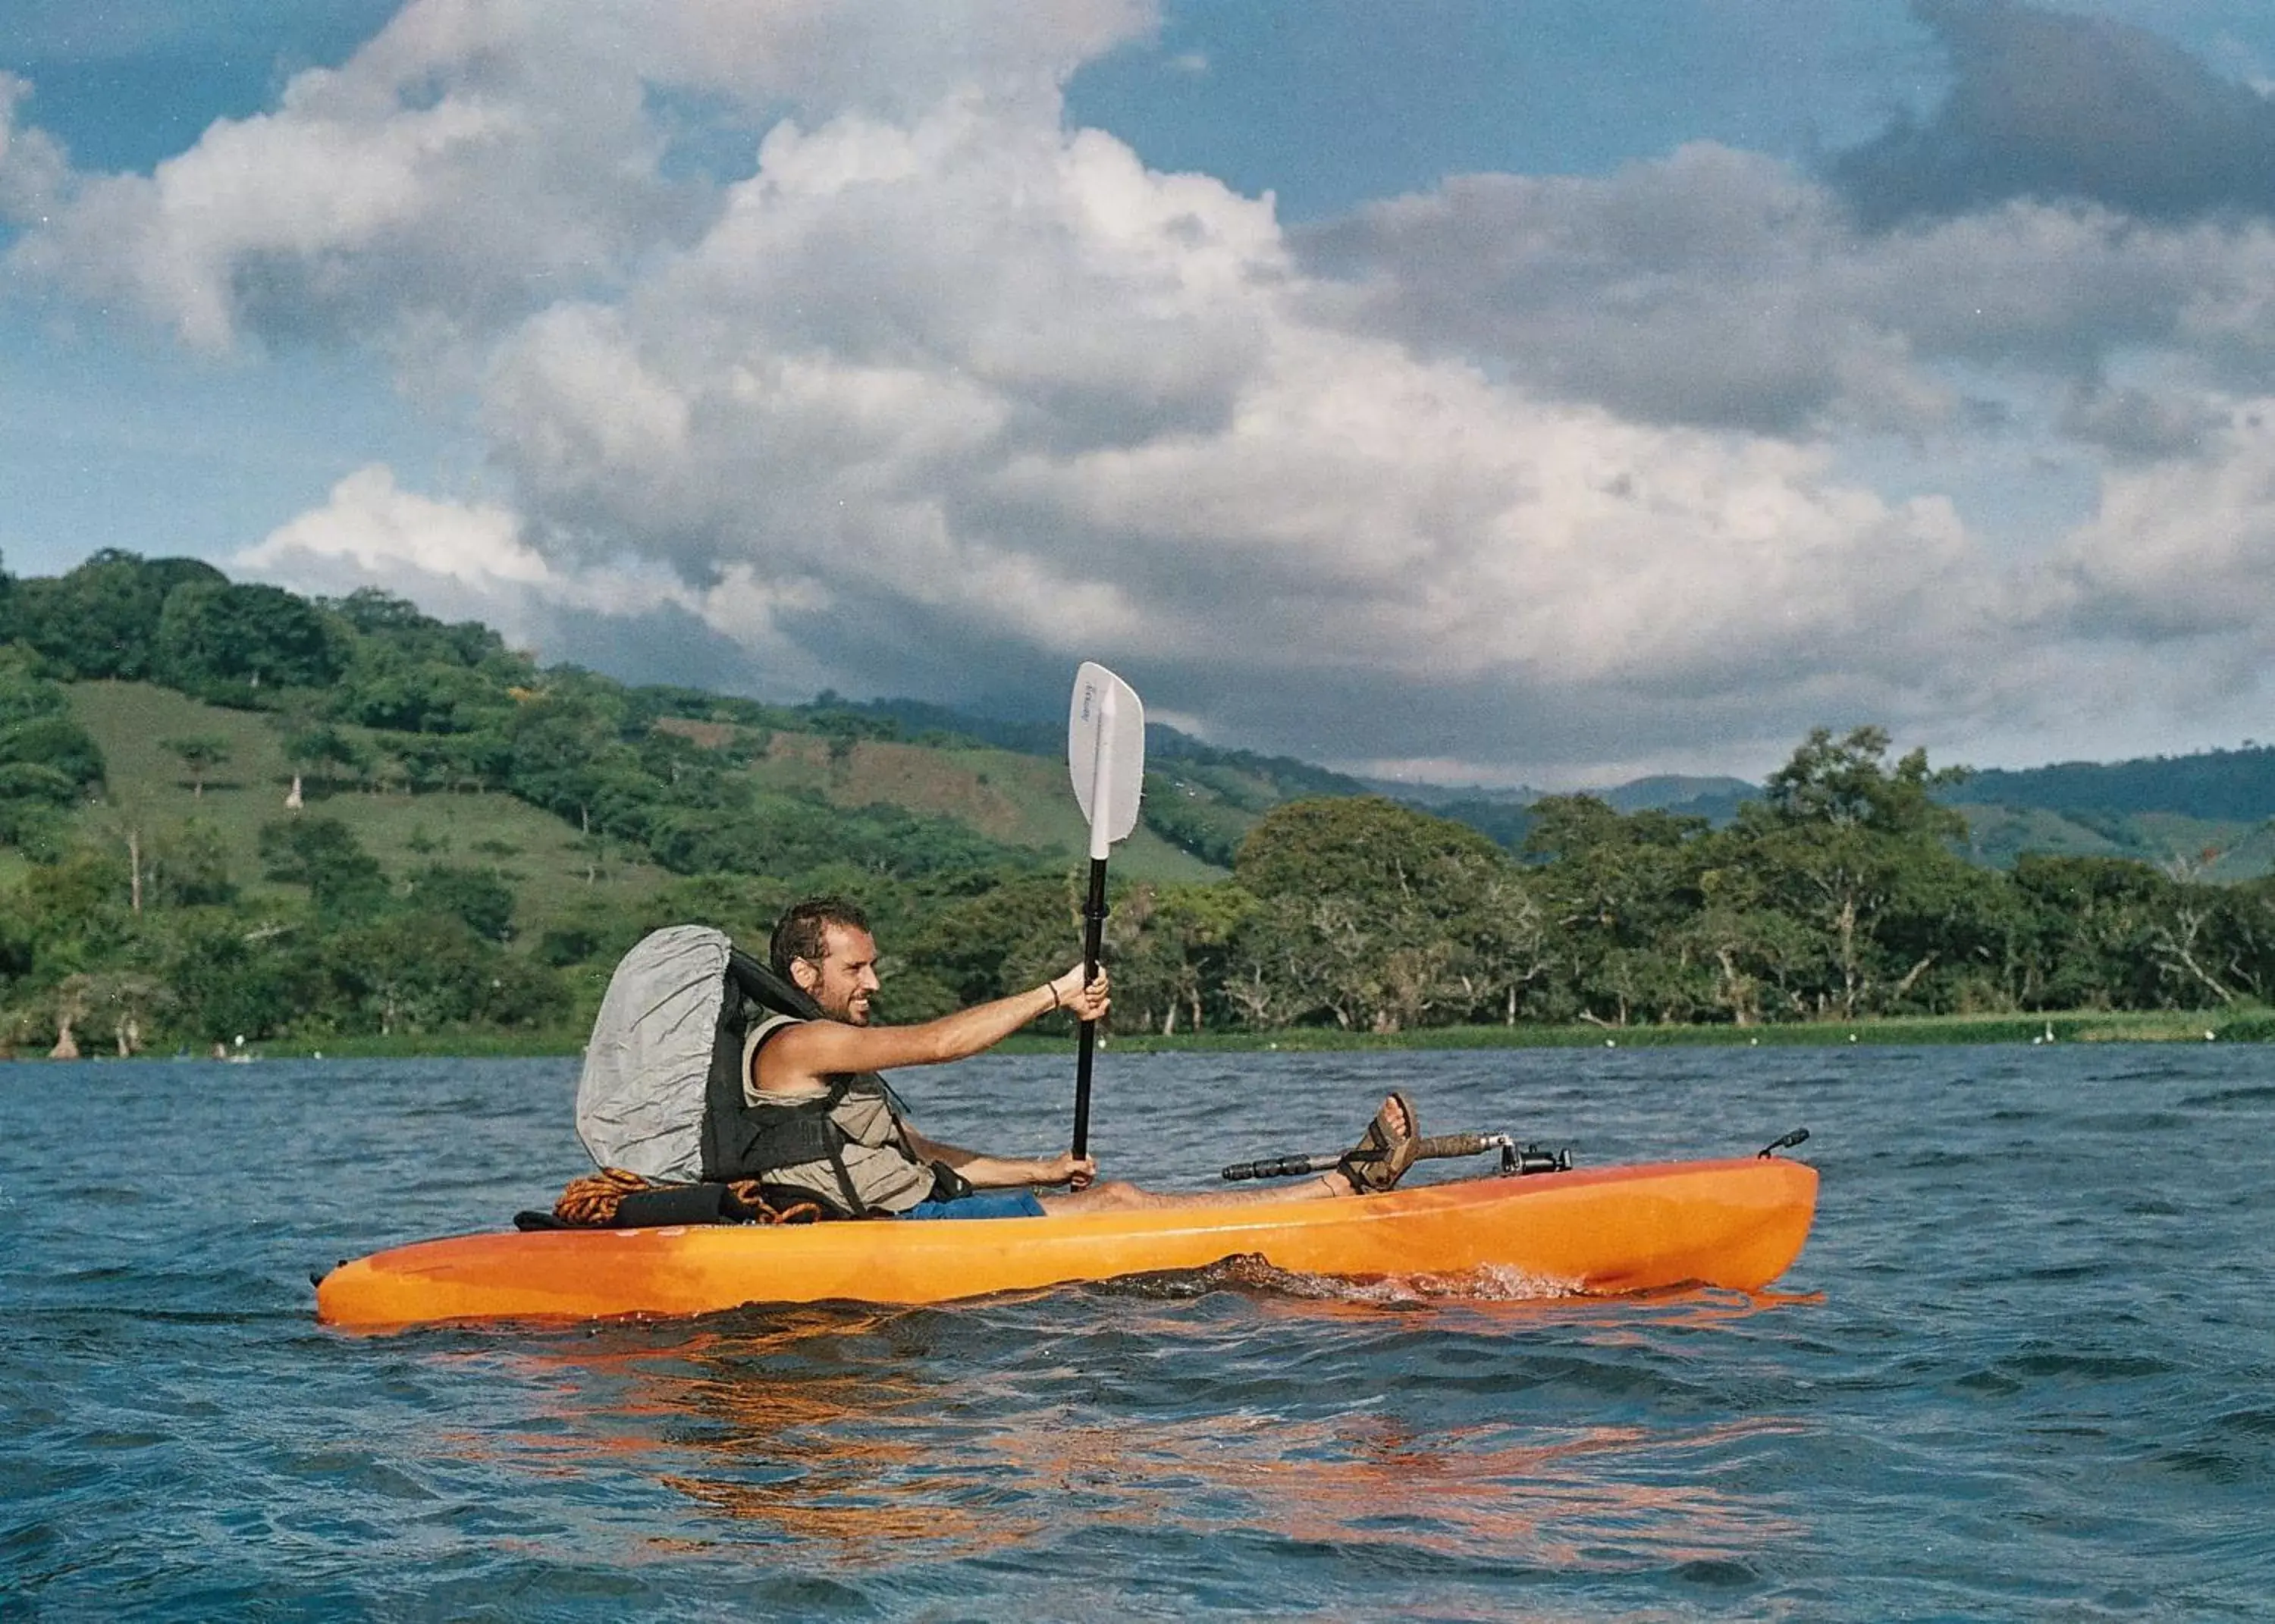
(2026, 1368)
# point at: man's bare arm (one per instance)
(1004, 1172)
(800, 1056)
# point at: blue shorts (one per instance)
(989, 1203)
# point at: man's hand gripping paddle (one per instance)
(1105, 754)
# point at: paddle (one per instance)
(1105, 754)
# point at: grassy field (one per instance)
(549, 863)
(1021, 800)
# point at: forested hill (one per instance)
(2209, 814)
(229, 811)
(1200, 797)
(2238, 785)
(373, 693)
(1047, 736)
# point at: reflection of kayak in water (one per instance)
(1737, 1224)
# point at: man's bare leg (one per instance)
(1129, 1198)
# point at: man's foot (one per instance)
(1380, 1158)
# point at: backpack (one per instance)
(670, 1024)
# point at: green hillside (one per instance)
(479, 839)
(1020, 800)
(1200, 799)
(556, 873)
(2215, 850)
(548, 864)
(2206, 814)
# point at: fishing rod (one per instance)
(1515, 1159)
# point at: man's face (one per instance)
(845, 979)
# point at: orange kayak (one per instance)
(1737, 1224)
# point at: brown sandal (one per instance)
(1382, 1155)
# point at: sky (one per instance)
(1458, 389)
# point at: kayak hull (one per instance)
(1737, 1224)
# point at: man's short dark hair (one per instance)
(804, 931)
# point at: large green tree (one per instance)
(479, 898)
(345, 881)
(47, 762)
(226, 642)
(101, 619)
(422, 971)
(235, 978)
(386, 684)
(1859, 852)
(1007, 937)
(1618, 891)
(1367, 912)
(1171, 948)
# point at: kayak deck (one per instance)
(1737, 1224)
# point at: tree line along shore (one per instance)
(2089, 1026)
(228, 812)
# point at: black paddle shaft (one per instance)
(1093, 917)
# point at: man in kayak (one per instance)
(823, 1126)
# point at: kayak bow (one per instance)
(1737, 1224)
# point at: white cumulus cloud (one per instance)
(32, 167)
(931, 392)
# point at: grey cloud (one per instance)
(370, 212)
(2138, 425)
(2052, 106)
(664, 644)
(2181, 553)
(1351, 716)
(1744, 712)
(1722, 290)
(661, 643)
(878, 642)
(1689, 291)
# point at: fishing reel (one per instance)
(1531, 1158)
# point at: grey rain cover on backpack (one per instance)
(639, 1102)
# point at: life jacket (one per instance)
(843, 1144)
(662, 1091)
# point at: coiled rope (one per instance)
(593, 1202)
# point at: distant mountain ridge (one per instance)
(2236, 785)
(1715, 799)
(2200, 809)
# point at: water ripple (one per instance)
(2018, 1372)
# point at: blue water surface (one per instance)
(2025, 1369)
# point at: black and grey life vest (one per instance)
(662, 1091)
(841, 1143)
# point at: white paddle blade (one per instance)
(1105, 753)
